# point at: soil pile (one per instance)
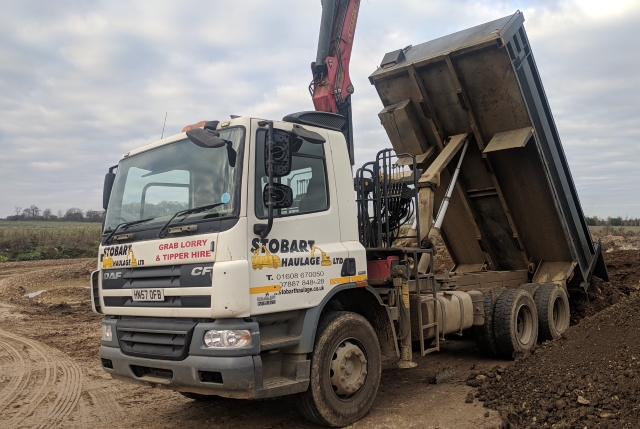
(624, 281)
(628, 241)
(588, 378)
(442, 260)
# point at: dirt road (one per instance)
(50, 374)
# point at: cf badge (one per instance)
(201, 271)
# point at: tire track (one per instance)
(104, 401)
(12, 390)
(37, 391)
(68, 397)
(36, 388)
(39, 413)
(67, 391)
(44, 387)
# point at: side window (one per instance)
(308, 178)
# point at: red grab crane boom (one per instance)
(331, 86)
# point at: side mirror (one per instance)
(209, 138)
(281, 196)
(205, 138)
(108, 185)
(281, 153)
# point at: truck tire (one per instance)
(531, 288)
(345, 371)
(515, 322)
(485, 336)
(552, 304)
(200, 398)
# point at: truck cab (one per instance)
(199, 302)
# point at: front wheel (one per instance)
(345, 371)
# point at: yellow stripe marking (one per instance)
(342, 280)
(264, 289)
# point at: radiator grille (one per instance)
(165, 277)
(169, 276)
(155, 338)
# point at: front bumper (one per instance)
(231, 373)
(231, 377)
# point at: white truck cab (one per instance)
(197, 300)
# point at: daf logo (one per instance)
(201, 271)
(112, 275)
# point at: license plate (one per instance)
(148, 295)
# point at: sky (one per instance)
(84, 81)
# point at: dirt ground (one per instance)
(591, 376)
(50, 375)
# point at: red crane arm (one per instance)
(331, 84)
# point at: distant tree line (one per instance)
(612, 221)
(75, 214)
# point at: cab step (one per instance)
(279, 342)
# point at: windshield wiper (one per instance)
(186, 213)
(124, 225)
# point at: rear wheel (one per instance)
(345, 371)
(552, 304)
(515, 322)
(485, 337)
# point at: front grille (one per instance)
(165, 277)
(155, 338)
(168, 276)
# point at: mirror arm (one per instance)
(265, 232)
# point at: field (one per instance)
(27, 241)
(615, 230)
(46, 225)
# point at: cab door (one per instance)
(302, 257)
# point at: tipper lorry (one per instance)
(237, 260)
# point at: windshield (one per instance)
(178, 176)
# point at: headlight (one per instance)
(227, 339)
(106, 332)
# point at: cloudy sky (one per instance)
(82, 82)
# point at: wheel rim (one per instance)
(348, 369)
(559, 315)
(524, 324)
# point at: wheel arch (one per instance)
(361, 300)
